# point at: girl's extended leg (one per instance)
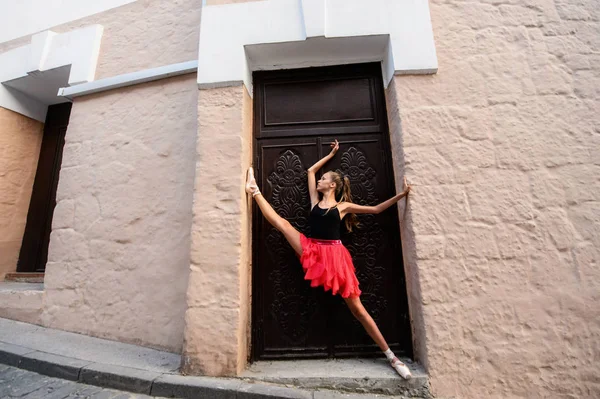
(285, 227)
(361, 314)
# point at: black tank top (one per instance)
(324, 225)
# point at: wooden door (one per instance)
(34, 248)
(297, 114)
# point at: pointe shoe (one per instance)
(251, 186)
(401, 368)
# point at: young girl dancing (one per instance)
(325, 260)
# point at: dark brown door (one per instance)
(34, 249)
(297, 114)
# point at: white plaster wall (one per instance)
(28, 74)
(24, 17)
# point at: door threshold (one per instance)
(352, 375)
(20, 277)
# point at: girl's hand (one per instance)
(406, 186)
(335, 146)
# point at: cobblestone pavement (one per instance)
(23, 384)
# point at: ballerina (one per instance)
(325, 260)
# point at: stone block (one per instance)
(86, 212)
(170, 385)
(506, 75)
(467, 158)
(12, 354)
(500, 194)
(459, 85)
(117, 377)
(210, 341)
(521, 15)
(429, 165)
(437, 284)
(517, 240)
(580, 182)
(586, 84)
(207, 253)
(474, 241)
(77, 154)
(546, 189)
(433, 125)
(211, 287)
(552, 270)
(557, 228)
(64, 213)
(430, 247)
(438, 209)
(74, 180)
(550, 77)
(67, 245)
(458, 16)
(114, 173)
(574, 11)
(52, 365)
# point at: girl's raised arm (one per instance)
(312, 182)
(349, 207)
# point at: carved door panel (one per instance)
(297, 114)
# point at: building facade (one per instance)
(127, 127)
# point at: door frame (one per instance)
(33, 254)
(324, 73)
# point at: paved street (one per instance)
(17, 383)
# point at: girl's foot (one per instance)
(401, 368)
(251, 186)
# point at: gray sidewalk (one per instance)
(147, 371)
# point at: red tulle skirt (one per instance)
(328, 263)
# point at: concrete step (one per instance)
(348, 375)
(132, 368)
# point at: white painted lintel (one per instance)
(129, 79)
(311, 33)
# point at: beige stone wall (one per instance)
(141, 35)
(20, 143)
(503, 236)
(119, 252)
(217, 318)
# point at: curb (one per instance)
(154, 383)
